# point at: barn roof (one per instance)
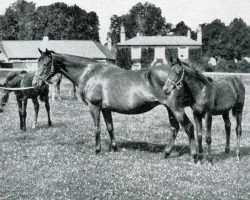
(28, 49)
(159, 41)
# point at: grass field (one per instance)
(60, 163)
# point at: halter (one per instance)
(50, 73)
(176, 84)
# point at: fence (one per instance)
(67, 86)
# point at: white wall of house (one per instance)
(183, 53)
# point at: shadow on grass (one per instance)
(244, 152)
(153, 148)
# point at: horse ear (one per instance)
(40, 51)
(171, 59)
(178, 61)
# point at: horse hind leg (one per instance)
(198, 123)
(228, 131)
(36, 108)
(107, 115)
(174, 131)
(238, 133)
(208, 136)
(95, 113)
(58, 91)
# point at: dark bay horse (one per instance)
(106, 88)
(23, 79)
(209, 98)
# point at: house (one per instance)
(24, 53)
(159, 43)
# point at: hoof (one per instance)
(115, 148)
(227, 150)
(167, 154)
(50, 124)
(97, 151)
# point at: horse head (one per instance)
(45, 68)
(176, 76)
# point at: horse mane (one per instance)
(73, 58)
(197, 74)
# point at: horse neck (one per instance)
(72, 70)
(195, 85)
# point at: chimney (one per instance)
(122, 33)
(199, 34)
(109, 42)
(45, 43)
(189, 33)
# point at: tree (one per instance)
(17, 20)
(145, 19)
(213, 38)
(58, 21)
(239, 38)
(180, 29)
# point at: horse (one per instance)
(14, 82)
(56, 81)
(209, 98)
(106, 88)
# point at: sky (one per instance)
(192, 12)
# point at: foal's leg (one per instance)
(198, 123)
(95, 113)
(36, 108)
(174, 131)
(228, 131)
(109, 124)
(189, 129)
(19, 103)
(238, 133)
(58, 91)
(47, 106)
(208, 135)
(24, 113)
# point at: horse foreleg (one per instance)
(238, 133)
(24, 113)
(53, 91)
(189, 129)
(36, 108)
(47, 106)
(107, 115)
(58, 90)
(174, 131)
(228, 131)
(198, 123)
(208, 135)
(19, 103)
(95, 113)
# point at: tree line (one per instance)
(219, 40)
(23, 21)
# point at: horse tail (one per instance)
(240, 88)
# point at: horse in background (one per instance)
(19, 80)
(106, 88)
(209, 98)
(56, 81)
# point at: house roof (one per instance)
(28, 49)
(159, 41)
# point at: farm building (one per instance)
(163, 46)
(24, 53)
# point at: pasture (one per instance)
(60, 162)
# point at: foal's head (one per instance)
(45, 68)
(176, 76)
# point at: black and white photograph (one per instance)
(125, 99)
